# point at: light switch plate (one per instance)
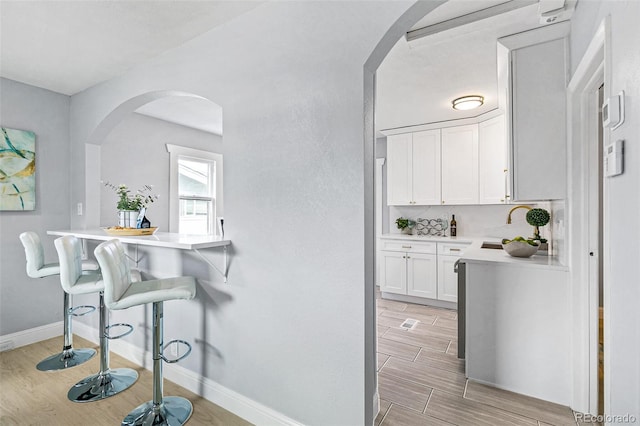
(613, 111)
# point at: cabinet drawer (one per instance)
(409, 246)
(452, 249)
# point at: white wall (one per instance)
(622, 203)
(25, 302)
(288, 330)
(135, 154)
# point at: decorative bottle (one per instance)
(453, 226)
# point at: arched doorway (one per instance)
(129, 147)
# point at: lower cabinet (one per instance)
(421, 275)
(420, 268)
(409, 268)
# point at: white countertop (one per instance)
(475, 254)
(159, 239)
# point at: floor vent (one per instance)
(409, 324)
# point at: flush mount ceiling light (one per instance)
(468, 102)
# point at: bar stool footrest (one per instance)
(175, 342)
(88, 308)
(129, 328)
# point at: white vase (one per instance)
(127, 218)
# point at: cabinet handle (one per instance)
(454, 249)
(406, 246)
(408, 257)
(404, 257)
(442, 201)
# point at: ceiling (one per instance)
(69, 46)
(418, 79)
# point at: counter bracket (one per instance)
(210, 263)
(137, 258)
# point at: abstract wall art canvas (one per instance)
(17, 170)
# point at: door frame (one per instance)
(582, 144)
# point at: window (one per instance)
(195, 190)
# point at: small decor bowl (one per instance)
(520, 248)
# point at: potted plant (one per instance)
(538, 218)
(405, 225)
(129, 205)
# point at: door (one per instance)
(426, 168)
(393, 272)
(421, 275)
(492, 161)
(447, 278)
(399, 170)
(460, 165)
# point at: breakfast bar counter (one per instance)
(158, 239)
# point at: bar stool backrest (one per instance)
(34, 253)
(115, 270)
(70, 257)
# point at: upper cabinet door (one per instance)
(534, 76)
(492, 161)
(538, 126)
(460, 165)
(399, 170)
(426, 167)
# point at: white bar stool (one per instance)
(121, 293)
(36, 268)
(106, 382)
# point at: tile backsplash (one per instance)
(482, 220)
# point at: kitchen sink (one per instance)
(489, 245)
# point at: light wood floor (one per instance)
(422, 382)
(32, 397)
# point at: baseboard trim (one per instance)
(32, 335)
(376, 404)
(210, 390)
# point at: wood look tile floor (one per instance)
(422, 382)
(32, 397)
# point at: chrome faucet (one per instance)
(515, 208)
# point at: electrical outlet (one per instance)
(79, 206)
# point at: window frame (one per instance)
(175, 153)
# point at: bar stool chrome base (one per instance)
(102, 385)
(66, 359)
(173, 411)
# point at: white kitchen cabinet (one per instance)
(492, 162)
(426, 167)
(421, 275)
(399, 169)
(393, 272)
(448, 255)
(413, 168)
(422, 269)
(408, 267)
(536, 69)
(459, 149)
